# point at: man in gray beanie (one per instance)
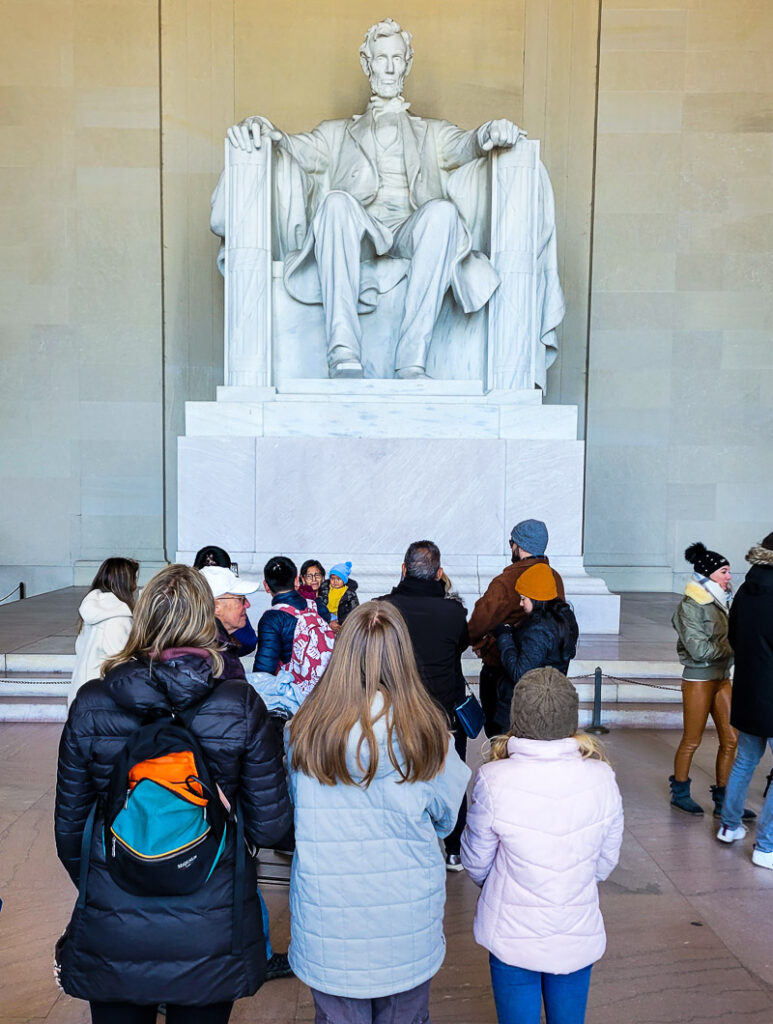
(501, 604)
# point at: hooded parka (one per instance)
(107, 622)
(145, 950)
(751, 636)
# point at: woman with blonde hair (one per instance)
(124, 953)
(545, 826)
(375, 781)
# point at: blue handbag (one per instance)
(470, 715)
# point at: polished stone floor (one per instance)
(690, 922)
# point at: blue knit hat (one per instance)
(343, 569)
(531, 535)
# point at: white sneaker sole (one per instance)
(762, 860)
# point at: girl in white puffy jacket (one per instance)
(105, 619)
(544, 827)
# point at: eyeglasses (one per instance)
(233, 597)
(314, 576)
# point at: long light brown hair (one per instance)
(372, 655)
(175, 609)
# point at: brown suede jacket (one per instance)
(500, 604)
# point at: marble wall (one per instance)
(680, 391)
(80, 375)
(112, 116)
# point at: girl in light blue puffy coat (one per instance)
(375, 781)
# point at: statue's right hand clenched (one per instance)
(249, 134)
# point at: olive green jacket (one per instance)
(701, 627)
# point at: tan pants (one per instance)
(699, 699)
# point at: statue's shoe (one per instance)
(351, 368)
(412, 373)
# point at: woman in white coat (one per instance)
(545, 826)
(105, 620)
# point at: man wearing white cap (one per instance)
(231, 604)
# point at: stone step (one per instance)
(634, 716)
(368, 416)
(33, 708)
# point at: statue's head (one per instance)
(386, 57)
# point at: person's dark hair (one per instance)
(563, 616)
(312, 563)
(422, 560)
(116, 576)
(212, 555)
(280, 572)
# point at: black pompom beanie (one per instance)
(704, 562)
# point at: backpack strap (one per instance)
(187, 715)
(83, 873)
(287, 608)
(240, 854)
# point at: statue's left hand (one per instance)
(499, 134)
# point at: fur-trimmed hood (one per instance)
(698, 593)
(760, 556)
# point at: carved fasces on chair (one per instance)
(513, 327)
(247, 184)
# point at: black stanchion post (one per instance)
(22, 591)
(596, 727)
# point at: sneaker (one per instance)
(278, 966)
(729, 835)
(454, 862)
(761, 859)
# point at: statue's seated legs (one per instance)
(429, 238)
(344, 234)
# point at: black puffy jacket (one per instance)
(349, 600)
(127, 948)
(751, 637)
(535, 644)
(438, 631)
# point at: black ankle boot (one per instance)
(681, 799)
(718, 796)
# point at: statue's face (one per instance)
(388, 66)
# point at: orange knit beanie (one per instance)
(537, 583)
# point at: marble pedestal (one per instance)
(356, 469)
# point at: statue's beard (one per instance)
(386, 90)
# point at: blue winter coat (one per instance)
(368, 884)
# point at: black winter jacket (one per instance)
(276, 630)
(751, 637)
(535, 644)
(438, 628)
(127, 948)
(348, 602)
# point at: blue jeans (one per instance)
(750, 751)
(519, 993)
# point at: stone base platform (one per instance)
(356, 469)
